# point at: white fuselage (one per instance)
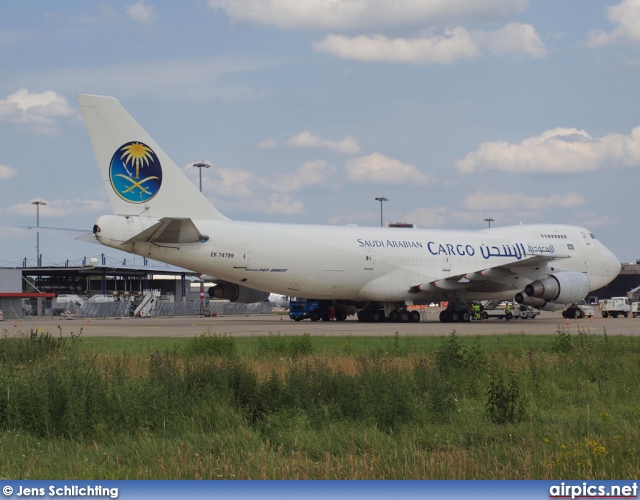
(371, 264)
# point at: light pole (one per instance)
(381, 199)
(200, 166)
(37, 203)
(489, 220)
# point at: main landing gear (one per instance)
(455, 313)
(399, 315)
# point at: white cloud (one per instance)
(311, 173)
(514, 39)
(364, 14)
(357, 218)
(230, 183)
(455, 45)
(427, 217)
(7, 172)
(61, 208)
(626, 15)
(284, 204)
(498, 200)
(270, 143)
(305, 139)
(599, 221)
(559, 151)
(39, 111)
(379, 169)
(227, 183)
(140, 12)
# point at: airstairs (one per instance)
(147, 304)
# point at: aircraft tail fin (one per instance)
(139, 176)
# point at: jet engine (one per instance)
(237, 293)
(554, 292)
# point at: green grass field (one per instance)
(214, 406)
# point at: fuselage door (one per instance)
(368, 261)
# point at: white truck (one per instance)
(518, 311)
(615, 306)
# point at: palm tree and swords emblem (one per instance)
(127, 164)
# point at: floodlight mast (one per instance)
(381, 199)
(37, 203)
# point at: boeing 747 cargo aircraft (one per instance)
(159, 213)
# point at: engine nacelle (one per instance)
(563, 287)
(237, 293)
(538, 303)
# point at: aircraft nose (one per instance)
(612, 264)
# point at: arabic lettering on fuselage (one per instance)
(541, 249)
(516, 250)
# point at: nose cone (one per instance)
(610, 266)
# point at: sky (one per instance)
(307, 110)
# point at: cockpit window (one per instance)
(592, 236)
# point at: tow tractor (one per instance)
(315, 310)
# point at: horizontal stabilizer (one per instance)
(170, 230)
(77, 234)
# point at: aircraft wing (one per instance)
(170, 230)
(488, 275)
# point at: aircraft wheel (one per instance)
(485, 315)
(405, 316)
(465, 317)
(377, 316)
(315, 316)
(444, 316)
(341, 315)
(455, 316)
(415, 317)
(626, 314)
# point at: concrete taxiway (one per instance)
(546, 324)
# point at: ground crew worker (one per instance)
(476, 310)
(507, 311)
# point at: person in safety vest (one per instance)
(476, 311)
(507, 312)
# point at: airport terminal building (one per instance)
(100, 290)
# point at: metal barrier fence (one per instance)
(166, 309)
(176, 309)
(104, 310)
(162, 309)
(231, 308)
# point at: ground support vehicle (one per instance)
(635, 309)
(315, 310)
(578, 310)
(615, 306)
(518, 311)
